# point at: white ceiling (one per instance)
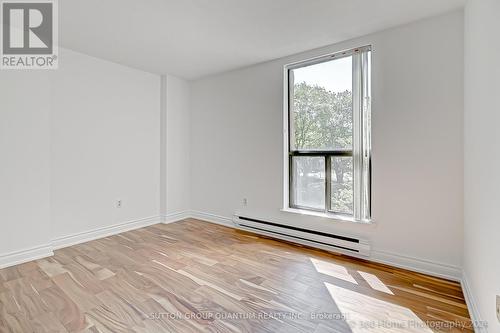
(194, 38)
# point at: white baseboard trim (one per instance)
(43, 251)
(424, 266)
(22, 256)
(212, 218)
(90, 235)
(174, 217)
(475, 316)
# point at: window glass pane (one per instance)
(308, 177)
(342, 185)
(321, 106)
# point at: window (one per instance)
(328, 134)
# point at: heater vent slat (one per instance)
(302, 230)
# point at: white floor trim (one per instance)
(174, 217)
(90, 235)
(22, 256)
(217, 219)
(424, 266)
(472, 306)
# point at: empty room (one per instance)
(249, 166)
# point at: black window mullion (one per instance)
(339, 153)
(328, 188)
(291, 187)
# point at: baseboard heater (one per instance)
(322, 240)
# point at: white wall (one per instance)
(176, 148)
(105, 134)
(417, 144)
(482, 159)
(72, 142)
(24, 164)
(77, 139)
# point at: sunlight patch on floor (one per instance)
(367, 314)
(331, 269)
(375, 282)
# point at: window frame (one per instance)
(361, 107)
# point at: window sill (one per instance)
(336, 217)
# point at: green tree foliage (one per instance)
(323, 121)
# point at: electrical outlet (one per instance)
(245, 202)
(118, 204)
(498, 308)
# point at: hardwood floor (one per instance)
(194, 276)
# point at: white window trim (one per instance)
(361, 144)
(331, 216)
